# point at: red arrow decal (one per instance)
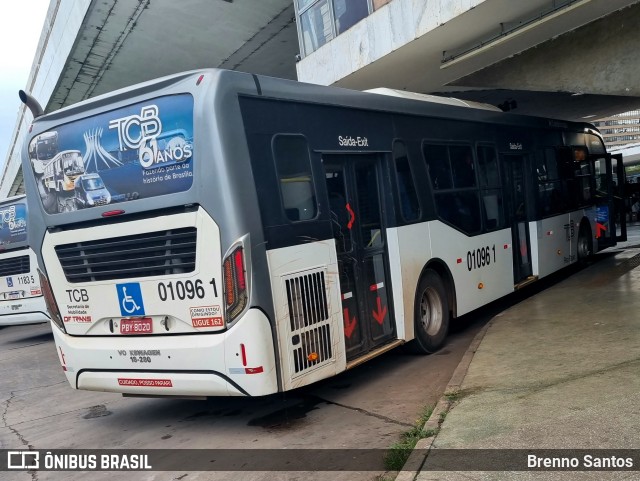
(349, 325)
(599, 229)
(381, 313)
(353, 216)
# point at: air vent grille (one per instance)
(14, 266)
(142, 255)
(310, 329)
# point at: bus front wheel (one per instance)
(431, 314)
(585, 244)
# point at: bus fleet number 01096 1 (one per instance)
(481, 257)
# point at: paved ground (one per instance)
(366, 407)
(558, 370)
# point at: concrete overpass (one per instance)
(89, 47)
(570, 59)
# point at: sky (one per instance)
(20, 26)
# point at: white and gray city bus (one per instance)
(21, 299)
(285, 232)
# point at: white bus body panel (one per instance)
(21, 299)
(105, 356)
(554, 241)
(88, 307)
(187, 363)
(553, 250)
(404, 326)
(475, 286)
(299, 274)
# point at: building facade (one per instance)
(620, 129)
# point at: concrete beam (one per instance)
(599, 58)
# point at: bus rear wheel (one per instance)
(431, 321)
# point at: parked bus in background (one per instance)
(21, 299)
(290, 231)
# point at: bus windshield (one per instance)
(93, 183)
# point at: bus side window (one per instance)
(437, 158)
(454, 190)
(406, 188)
(583, 175)
(550, 189)
(460, 209)
(462, 166)
(569, 181)
(293, 165)
(491, 191)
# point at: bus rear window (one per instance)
(138, 151)
(13, 224)
(293, 164)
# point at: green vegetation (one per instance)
(453, 396)
(399, 452)
(443, 415)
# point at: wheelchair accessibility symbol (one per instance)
(130, 299)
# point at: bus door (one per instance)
(611, 225)
(355, 195)
(516, 207)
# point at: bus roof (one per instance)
(391, 100)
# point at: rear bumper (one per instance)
(31, 310)
(178, 365)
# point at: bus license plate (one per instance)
(144, 325)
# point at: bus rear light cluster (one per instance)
(235, 284)
(50, 301)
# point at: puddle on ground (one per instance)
(235, 412)
(97, 412)
(341, 386)
(289, 416)
(202, 414)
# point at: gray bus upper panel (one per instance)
(215, 130)
(198, 120)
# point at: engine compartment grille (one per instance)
(309, 321)
(141, 255)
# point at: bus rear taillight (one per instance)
(235, 284)
(50, 301)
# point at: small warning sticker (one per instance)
(145, 382)
(206, 316)
(207, 322)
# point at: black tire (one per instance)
(431, 314)
(585, 244)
